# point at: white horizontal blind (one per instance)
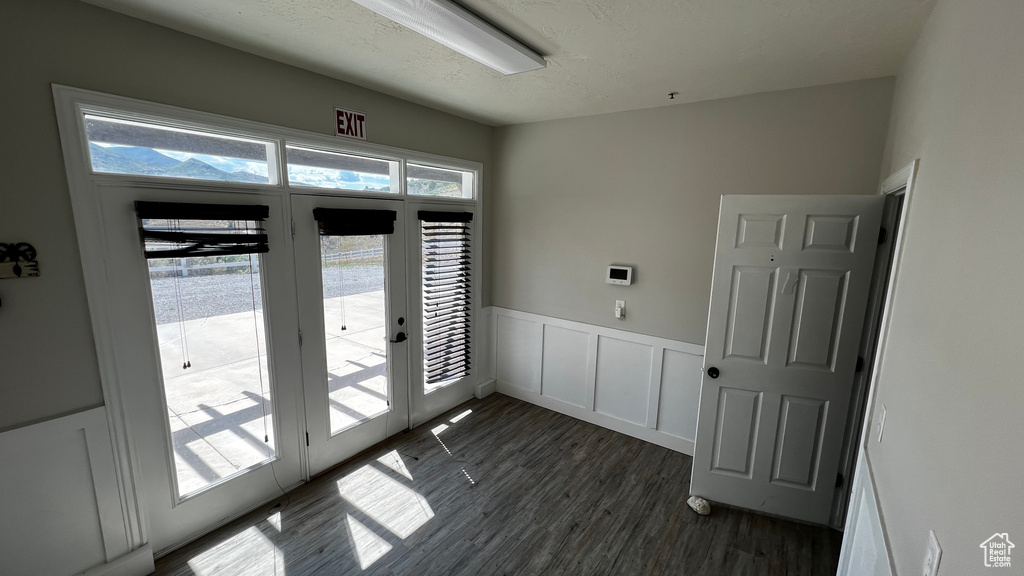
(447, 307)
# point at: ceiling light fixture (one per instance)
(455, 27)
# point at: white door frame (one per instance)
(82, 183)
(325, 449)
(903, 179)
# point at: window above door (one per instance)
(121, 139)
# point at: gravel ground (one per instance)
(203, 296)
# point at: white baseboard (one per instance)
(486, 388)
(641, 432)
(136, 563)
(643, 386)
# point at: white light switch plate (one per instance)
(932, 556)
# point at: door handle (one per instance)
(713, 372)
(400, 337)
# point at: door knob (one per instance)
(713, 372)
(400, 337)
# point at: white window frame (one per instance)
(71, 104)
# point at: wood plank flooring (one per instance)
(511, 488)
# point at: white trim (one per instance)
(135, 563)
(486, 388)
(653, 341)
(647, 429)
(37, 441)
(654, 388)
(84, 188)
(644, 433)
(864, 506)
(905, 177)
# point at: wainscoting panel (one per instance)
(564, 365)
(623, 379)
(680, 393)
(643, 386)
(865, 549)
(520, 342)
(60, 498)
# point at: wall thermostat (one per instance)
(621, 275)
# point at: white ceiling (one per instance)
(603, 55)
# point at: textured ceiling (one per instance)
(603, 55)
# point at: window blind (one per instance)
(446, 295)
(176, 230)
(347, 222)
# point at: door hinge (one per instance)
(300, 338)
(882, 235)
(307, 438)
(839, 480)
(860, 364)
(293, 229)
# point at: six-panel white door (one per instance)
(788, 299)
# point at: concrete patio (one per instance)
(220, 414)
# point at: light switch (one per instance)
(620, 309)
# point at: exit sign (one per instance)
(350, 123)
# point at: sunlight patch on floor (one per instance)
(249, 552)
(394, 461)
(368, 546)
(397, 508)
(275, 521)
(458, 417)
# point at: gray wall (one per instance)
(47, 356)
(642, 188)
(950, 458)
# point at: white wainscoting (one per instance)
(865, 549)
(643, 386)
(61, 504)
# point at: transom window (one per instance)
(138, 148)
(152, 148)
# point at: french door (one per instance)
(206, 356)
(350, 270)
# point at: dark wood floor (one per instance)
(510, 488)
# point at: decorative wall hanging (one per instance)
(18, 260)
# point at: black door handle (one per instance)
(713, 372)
(400, 337)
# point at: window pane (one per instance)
(321, 169)
(430, 181)
(126, 147)
(354, 328)
(209, 316)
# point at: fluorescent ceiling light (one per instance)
(455, 27)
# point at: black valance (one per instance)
(178, 230)
(435, 216)
(349, 222)
(180, 211)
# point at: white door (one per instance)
(350, 269)
(788, 299)
(205, 348)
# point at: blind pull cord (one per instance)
(341, 300)
(259, 363)
(186, 362)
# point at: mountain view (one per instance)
(150, 162)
